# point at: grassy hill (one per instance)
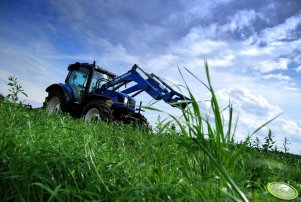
(51, 157)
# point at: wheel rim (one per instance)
(54, 106)
(92, 115)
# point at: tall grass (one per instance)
(213, 138)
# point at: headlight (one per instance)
(126, 100)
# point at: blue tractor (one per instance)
(94, 93)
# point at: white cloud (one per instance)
(277, 76)
(201, 43)
(241, 21)
(194, 10)
(161, 62)
(292, 89)
(290, 127)
(297, 58)
(267, 58)
(224, 61)
(254, 51)
(265, 66)
(283, 31)
(254, 110)
(243, 99)
(298, 69)
(196, 44)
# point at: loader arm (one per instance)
(152, 85)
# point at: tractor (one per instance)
(94, 93)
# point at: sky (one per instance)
(252, 48)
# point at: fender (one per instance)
(65, 89)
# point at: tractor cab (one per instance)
(84, 79)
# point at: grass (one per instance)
(56, 158)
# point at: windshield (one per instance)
(98, 80)
(78, 78)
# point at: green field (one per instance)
(57, 158)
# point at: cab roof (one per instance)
(77, 65)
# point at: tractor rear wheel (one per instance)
(55, 102)
(97, 110)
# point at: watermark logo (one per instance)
(282, 190)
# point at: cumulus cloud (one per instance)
(254, 110)
(255, 51)
(277, 76)
(291, 127)
(242, 23)
(243, 99)
(291, 88)
(268, 66)
(284, 31)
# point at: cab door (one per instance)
(77, 80)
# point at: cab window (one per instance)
(78, 80)
(98, 80)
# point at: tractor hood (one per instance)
(122, 100)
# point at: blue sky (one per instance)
(252, 47)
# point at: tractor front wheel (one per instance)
(135, 119)
(55, 102)
(141, 120)
(97, 110)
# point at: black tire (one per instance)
(135, 119)
(141, 120)
(126, 119)
(97, 110)
(55, 102)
